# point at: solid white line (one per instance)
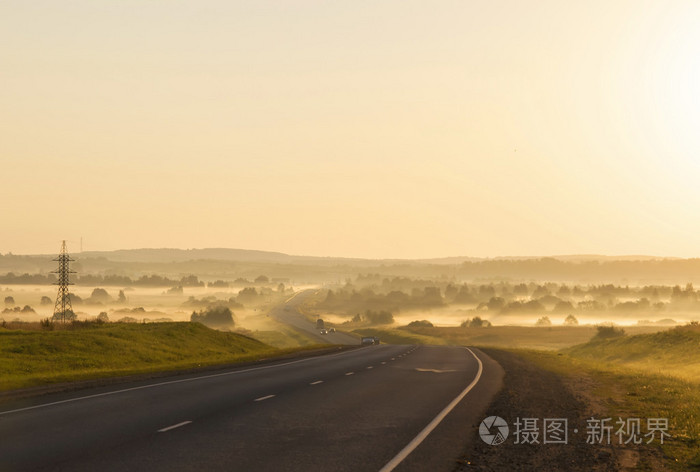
(349, 373)
(170, 382)
(410, 447)
(317, 382)
(174, 426)
(263, 398)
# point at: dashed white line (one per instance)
(383, 362)
(349, 373)
(174, 426)
(393, 358)
(316, 382)
(370, 367)
(263, 398)
(170, 382)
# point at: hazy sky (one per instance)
(356, 128)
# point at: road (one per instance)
(289, 314)
(353, 410)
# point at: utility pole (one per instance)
(63, 305)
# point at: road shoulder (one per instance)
(532, 392)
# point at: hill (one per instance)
(30, 358)
(675, 351)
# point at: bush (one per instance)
(420, 324)
(220, 316)
(476, 322)
(379, 317)
(69, 316)
(608, 332)
(46, 324)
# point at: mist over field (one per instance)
(171, 285)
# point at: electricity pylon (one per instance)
(63, 305)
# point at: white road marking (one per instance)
(174, 426)
(410, 447)
(263, 398)
(370, 367)
(393, 358)
(383, 362)
(317, 382)
(349, 373)
(170, 382)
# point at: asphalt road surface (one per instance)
(289, 314)
(354, 410)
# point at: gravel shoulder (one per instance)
(531, 392)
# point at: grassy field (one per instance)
(672, 352)
(643, 376)
(31, 358)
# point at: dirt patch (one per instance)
(531, 392)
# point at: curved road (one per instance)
(289, 314)
(354, 410)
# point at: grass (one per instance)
(525, 337)
(673, 352)
(32, 358)
(615, 375)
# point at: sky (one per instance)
(378, 129)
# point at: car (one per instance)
(324, 331)
(367, 341)
(331, 330)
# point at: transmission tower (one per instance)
(63, 305)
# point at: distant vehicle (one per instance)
(324, 331)
(376, 340)
(331, 330)
(367, 341)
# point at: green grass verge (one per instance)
(32, 358)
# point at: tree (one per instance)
(103, 317)
(262, 279)
(571, 321)
(379, 317)
(9, 301)
(121, 298)
(544, 321)
(46, 300)
(476, 322)
(215, 317)
(100, 295)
